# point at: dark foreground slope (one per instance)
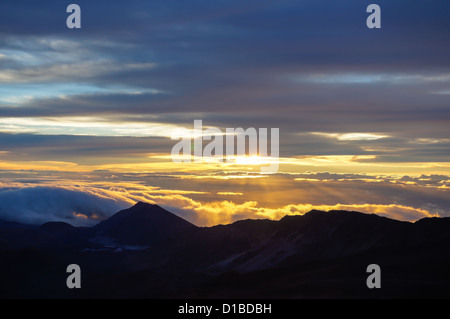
(148, 252)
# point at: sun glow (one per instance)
(250, 160)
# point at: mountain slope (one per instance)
(319, 254)
(251, 245)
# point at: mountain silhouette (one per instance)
(143, 224)
(59, 227)
(147, 252)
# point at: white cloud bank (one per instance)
(37, 205)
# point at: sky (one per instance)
(87, 115)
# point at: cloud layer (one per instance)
(406, 198)
(38, 205)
